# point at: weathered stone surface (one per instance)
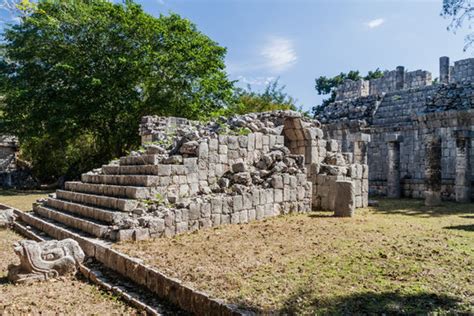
(345, 199)
(44, 260)
(6, 217)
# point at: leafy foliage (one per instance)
(325, 85)
(272, 98)
(78, 75)
(460, 12)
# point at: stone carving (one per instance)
(41, 261)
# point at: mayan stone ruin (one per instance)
(421, 132)
(192, 175)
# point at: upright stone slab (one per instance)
(444, 70)
(432, 171)
(463, 166)
(345, 200)
(400, 78)
(393, 160)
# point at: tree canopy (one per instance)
(461, 12)
(325, 85)
(78, 75)
(273, 97)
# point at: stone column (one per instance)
(463, 166)
(393, 174)
(400, 78)
(432, 171)
(444, 70)
(360, 148)
(344, 205)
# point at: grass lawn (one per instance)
(21, 199)
(400, 257)
(60, 296)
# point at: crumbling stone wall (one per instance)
(191, 175)
(410, 115)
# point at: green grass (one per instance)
(21, 200)
(399, 258)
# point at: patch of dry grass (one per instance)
(62, 296)
(399, 258)
(21, 200)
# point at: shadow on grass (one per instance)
(321, 215)
(413, 207)
(390, 303)
(468, 228)
(4, 280)
(23, 192)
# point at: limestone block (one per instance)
(345, 201)
(432, 198)
(252, 214)
(216, 219)
(278, 196)
(194, 211)
(259, 211)
(181, 227)
(238, 203)
(203, 150)
(235, 218)
(244, 216)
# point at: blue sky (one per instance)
(298, 40)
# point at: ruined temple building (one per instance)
(191, 175)
(420, 131)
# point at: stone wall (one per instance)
(391, 81)
(399, 123)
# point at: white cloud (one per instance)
(375, 23)
(256, 81)
(279, 54)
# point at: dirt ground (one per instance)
(62, 296)
(21, 200)
(400, 257)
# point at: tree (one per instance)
(460, 12)
(272, 98)
(80, 74)
(325, 86)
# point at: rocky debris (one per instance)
(7, 217)
(189, 148)
(455, 96)
(173, 160)
(361, 109)
(155, 150)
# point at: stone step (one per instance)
(92, 228)
(125, 205)
(128, 180)
(140, 160)
(132, 169)
(85, 211)
(120, 191)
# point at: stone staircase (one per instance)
(96, 205)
